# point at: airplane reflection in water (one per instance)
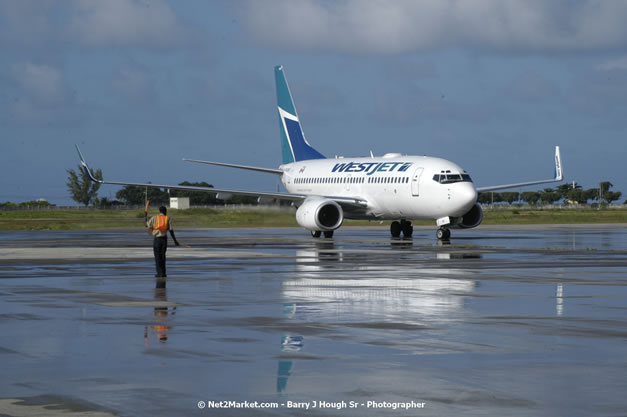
(290, 344)
(401, 293)
(161, 314)
(381, 288)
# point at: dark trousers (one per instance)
(159, 246)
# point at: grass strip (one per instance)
(73, 219)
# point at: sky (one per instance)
(492, 85)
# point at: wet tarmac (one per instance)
(516, 321)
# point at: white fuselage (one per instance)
(395, 186)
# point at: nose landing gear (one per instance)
(443, 233)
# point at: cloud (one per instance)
(615, 64)
(37, 95)
(125, 22)
(384, 27)
(41, 83)
(25, 22)
(92, 23)
(133, 84)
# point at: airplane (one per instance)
(326, 191)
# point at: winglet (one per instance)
(85, 167)
(558, 176)
(558, 164)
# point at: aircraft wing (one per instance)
(351, 203)
(558, 177)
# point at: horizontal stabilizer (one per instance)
(258, 169)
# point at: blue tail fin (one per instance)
(294, 146)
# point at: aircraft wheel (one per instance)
(407, 228)
(328, 234)
(395, 229)
(316, 233)
(443, 233)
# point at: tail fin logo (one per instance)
(294, 146)
(299, 148)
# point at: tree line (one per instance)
(566, 193)
(136, 195)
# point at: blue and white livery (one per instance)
(390, 187)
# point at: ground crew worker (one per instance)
(158, 226)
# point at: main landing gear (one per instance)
(318, 233)
(443, 233)
(403, 226)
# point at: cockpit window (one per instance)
(451, 178)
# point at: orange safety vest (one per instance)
(162, 223)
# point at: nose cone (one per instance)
(465, 197)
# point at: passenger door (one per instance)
(415, 182)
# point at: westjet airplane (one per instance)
(391, 187)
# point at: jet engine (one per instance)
(319, 214)
(471, 219)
